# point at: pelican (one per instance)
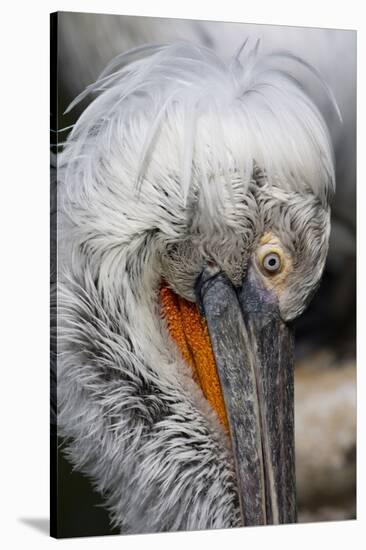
(194, 208)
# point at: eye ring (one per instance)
(272, 263)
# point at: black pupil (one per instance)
(272, 262)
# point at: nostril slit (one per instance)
(211, 263)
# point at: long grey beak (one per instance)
(253, 350)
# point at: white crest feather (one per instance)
(180, 108)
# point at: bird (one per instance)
(193, 199)
(88, 41)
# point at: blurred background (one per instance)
(325, 374)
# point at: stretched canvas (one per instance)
(203, 182)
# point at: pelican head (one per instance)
(194, 223)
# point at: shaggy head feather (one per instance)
(179, 160)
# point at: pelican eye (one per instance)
(272, 262)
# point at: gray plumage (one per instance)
(180, 159)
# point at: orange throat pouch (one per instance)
(189, 331)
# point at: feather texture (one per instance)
(164, 153)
